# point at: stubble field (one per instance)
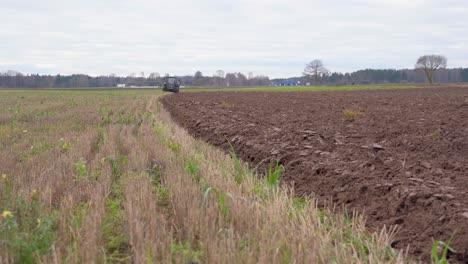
(107, 177)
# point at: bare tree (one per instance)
(429, 64)
(154, 75)
(219, 77)
(219, 73)
(315, 70)
(13, 73)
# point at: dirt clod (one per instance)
(426, 164)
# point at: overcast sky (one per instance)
(270, 37)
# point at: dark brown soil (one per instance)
(402, 161)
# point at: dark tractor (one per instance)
(171, 84)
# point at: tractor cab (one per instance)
(171, 84)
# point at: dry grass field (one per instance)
(107, 177)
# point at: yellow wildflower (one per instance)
(6, 214)
(34, 195)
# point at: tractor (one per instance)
(171, 84)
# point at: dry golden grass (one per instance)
(350, 114)
(224, 105)
(119, 182)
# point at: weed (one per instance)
(117, 242)
(436, 134)
(164, 198)
(15, 112)
(125, 119)
(28, 239)
(72, 103)
(149, 256)
(299, 203)
(361, 243)
(78, 127)
(442, 259)
(161, 131)
(96, 174)
(162, 192)
(66, 146)
(240, 172)
(192, 169)
(6, 182)
(261, 191)
(246, 244)
(351, 114)
(224, 105)
(117, 166)
(155, 174)
(104, 110)
(273, 176)
(220, 198)
(106, 119)
(26, 232)
(116, 239)
(184, 253)
(42, 149)
(175, 147)
(270, 183)
(98, 141)
(80, 168)
(45, 113)
(285, 252)
(78, 214)
(14, 122)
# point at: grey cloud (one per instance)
(273, 37)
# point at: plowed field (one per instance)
(400, 157)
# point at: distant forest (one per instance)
(371, 76)
(13, 79)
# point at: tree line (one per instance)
(14, 79)
(385, 76)
(428, 68)
(372, 76)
